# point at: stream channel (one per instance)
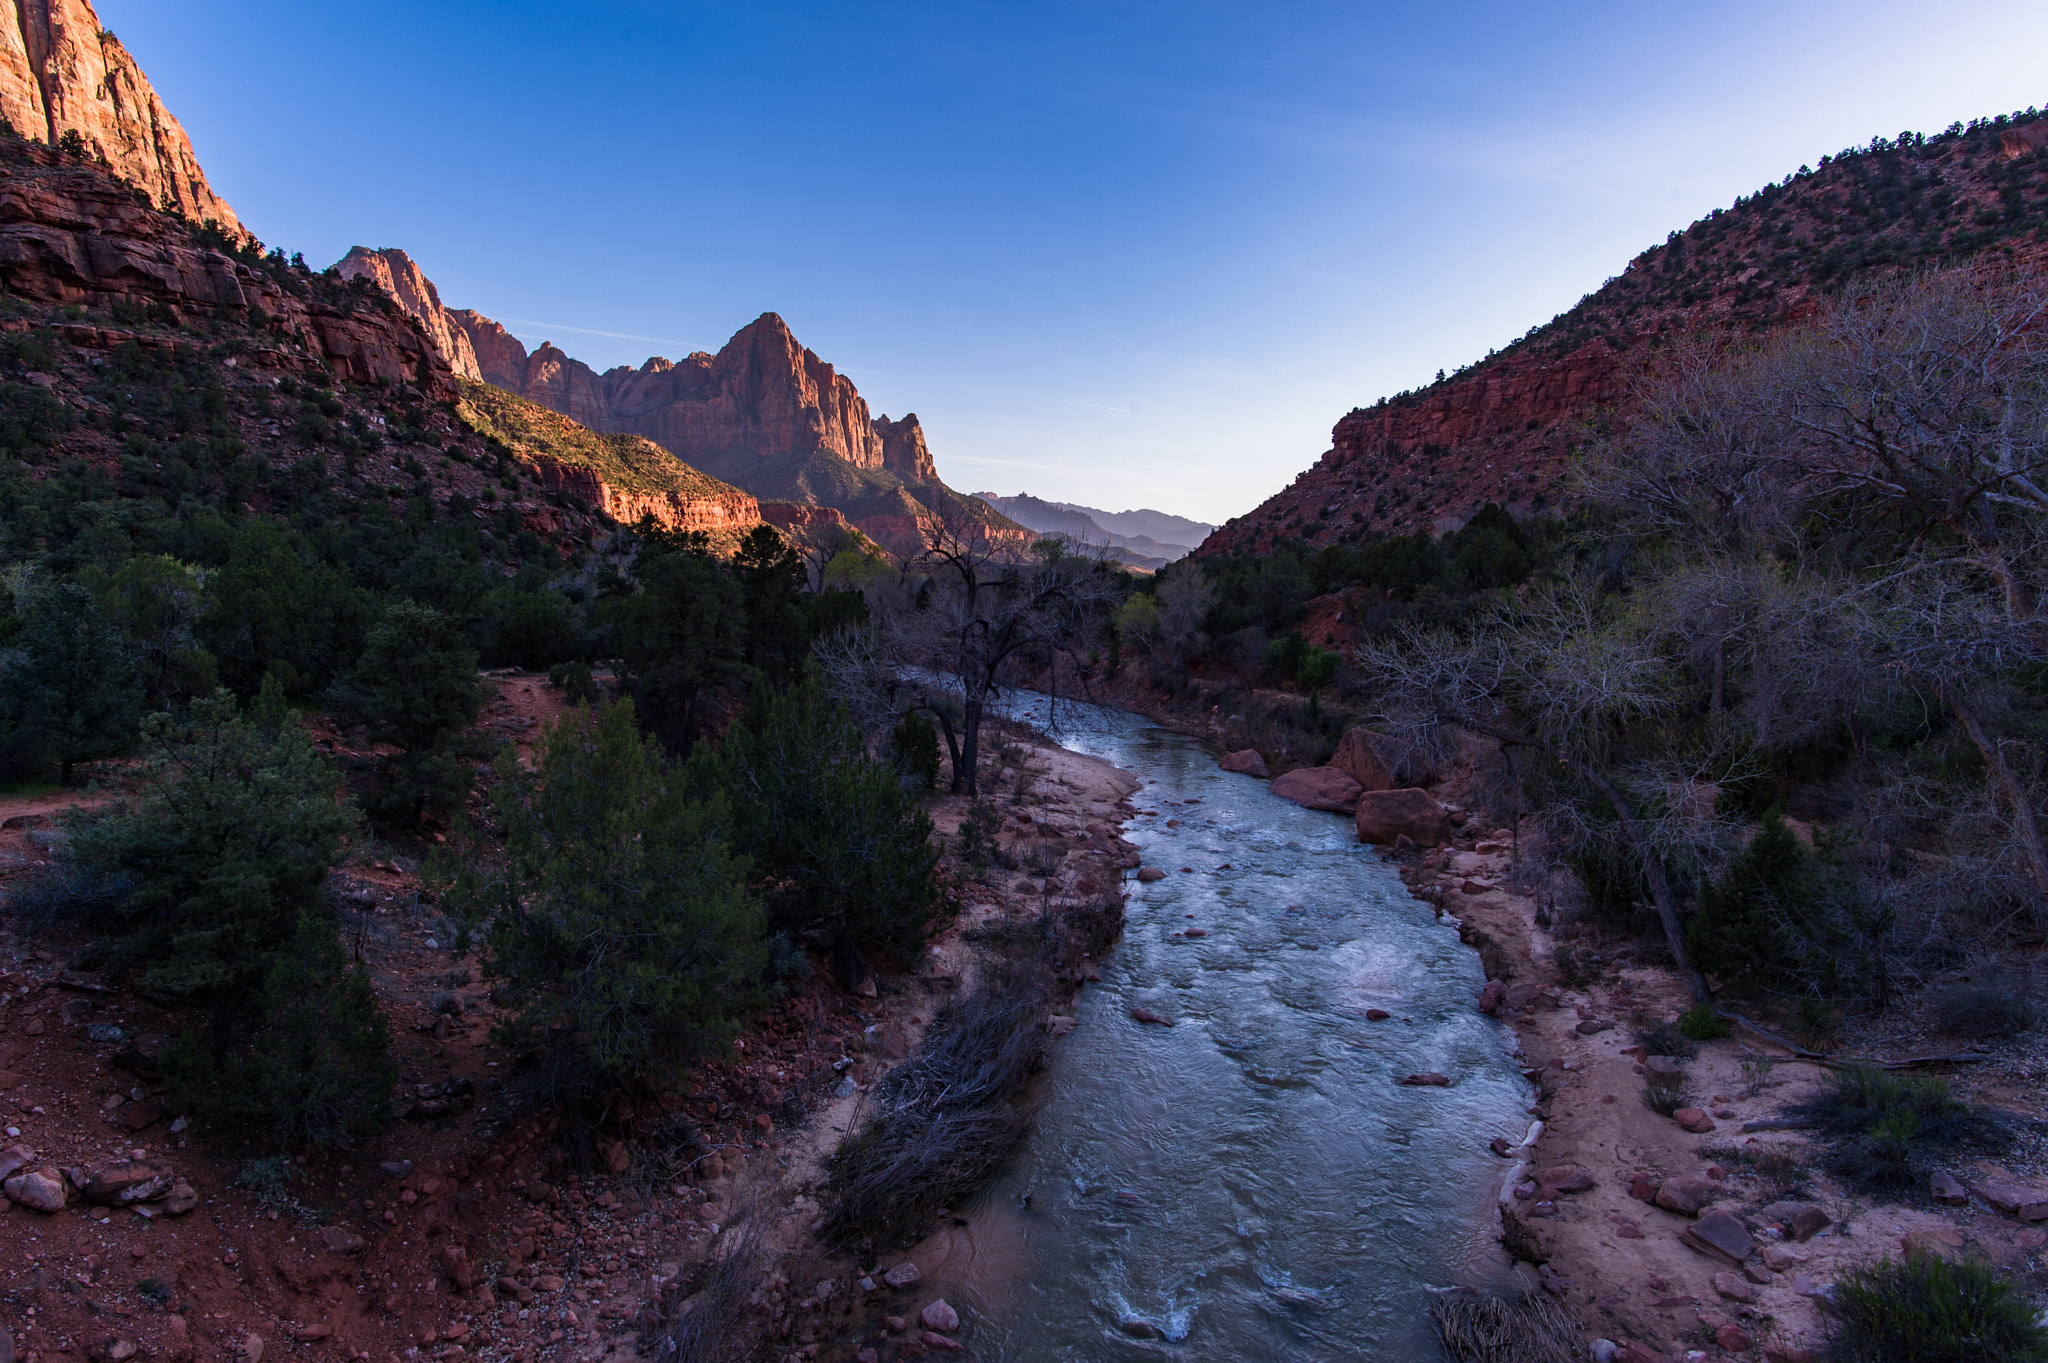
(1251, 1182)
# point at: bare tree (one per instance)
(983, 603)
(1558, 675)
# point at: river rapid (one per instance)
(1250, 1182)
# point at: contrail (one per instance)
(592, 331)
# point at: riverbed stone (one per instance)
(1247, 761)
(940, 1315)
(1384, 815)
(1319, 788)
(1686, 1196)
(1148, 874)
(903, 1275)
(1719, 1235)
(1427, 1080)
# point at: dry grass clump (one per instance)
(702, 1326)
(1492, 1328)
(939, 1124)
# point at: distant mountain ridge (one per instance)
(764, 414)
(1503, 429)
(1142, 534)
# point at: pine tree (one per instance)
(69, 692)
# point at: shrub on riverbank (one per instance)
(1928, 1310)
(939, 1124)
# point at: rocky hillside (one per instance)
(764, 413)
(627, 477)
(63, 75)
(1503, 429)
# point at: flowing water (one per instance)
(1249, 1183)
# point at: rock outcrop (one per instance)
(72, 234)
(394, 273)
(62, 72)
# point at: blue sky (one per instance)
(1126, 254)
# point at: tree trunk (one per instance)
(1652, 864)
(2025, 825)
(970, 739)
(952, 744)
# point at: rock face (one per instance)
(764, 413)
(1384, 815)
(1503, 429)
(393, 271)
(73, 234)
(62, 72)
(1318, 788)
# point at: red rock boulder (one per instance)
(1384, 815)
(1358, 757)
(1318, 788)
(1247, 761)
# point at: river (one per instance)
(1250, 1182)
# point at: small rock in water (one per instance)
(940, 1316)
(903, 1275)
(1147, 1015)
(1430, 1080)
(1377, 1015)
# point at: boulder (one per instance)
(143, 1054)
(1719, 1236)
(1565, 1178)
(1384, 815)
(903, 1275)
(40, 1189)
(939, 1316)
(1940, 1242)
(1148, 874)
(1946, 1190)
(1686, 1196)
(14, 1159)
(1693, 1120)
(1734, 1287)
(1358, 757)
(1247, 761)
(1318, 788)
(1807, 1222)
(2029, 1204)
(1493, 997)
(126, 1182)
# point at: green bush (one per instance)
(1929, 1310)
(68, 694)
(316, 1070)
(916, 743)
(1781, 918)
(838, 847)
(619, 911)
(225, 846)
(1702, 1023)
(415, 686)
(1887, 1132)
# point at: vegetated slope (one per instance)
(1086, 525)
(1502, 429)
(764, 413)
(624, 476)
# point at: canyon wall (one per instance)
(72, 234)
(62, 72)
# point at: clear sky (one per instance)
(1125, 254)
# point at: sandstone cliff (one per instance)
(1504, 429)
(61, 72)
(72, 234)
(393, 272)
(764, 413)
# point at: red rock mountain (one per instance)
(61, 72)
(1504, 429)
(764, 413)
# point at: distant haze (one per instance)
(1150, 539)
